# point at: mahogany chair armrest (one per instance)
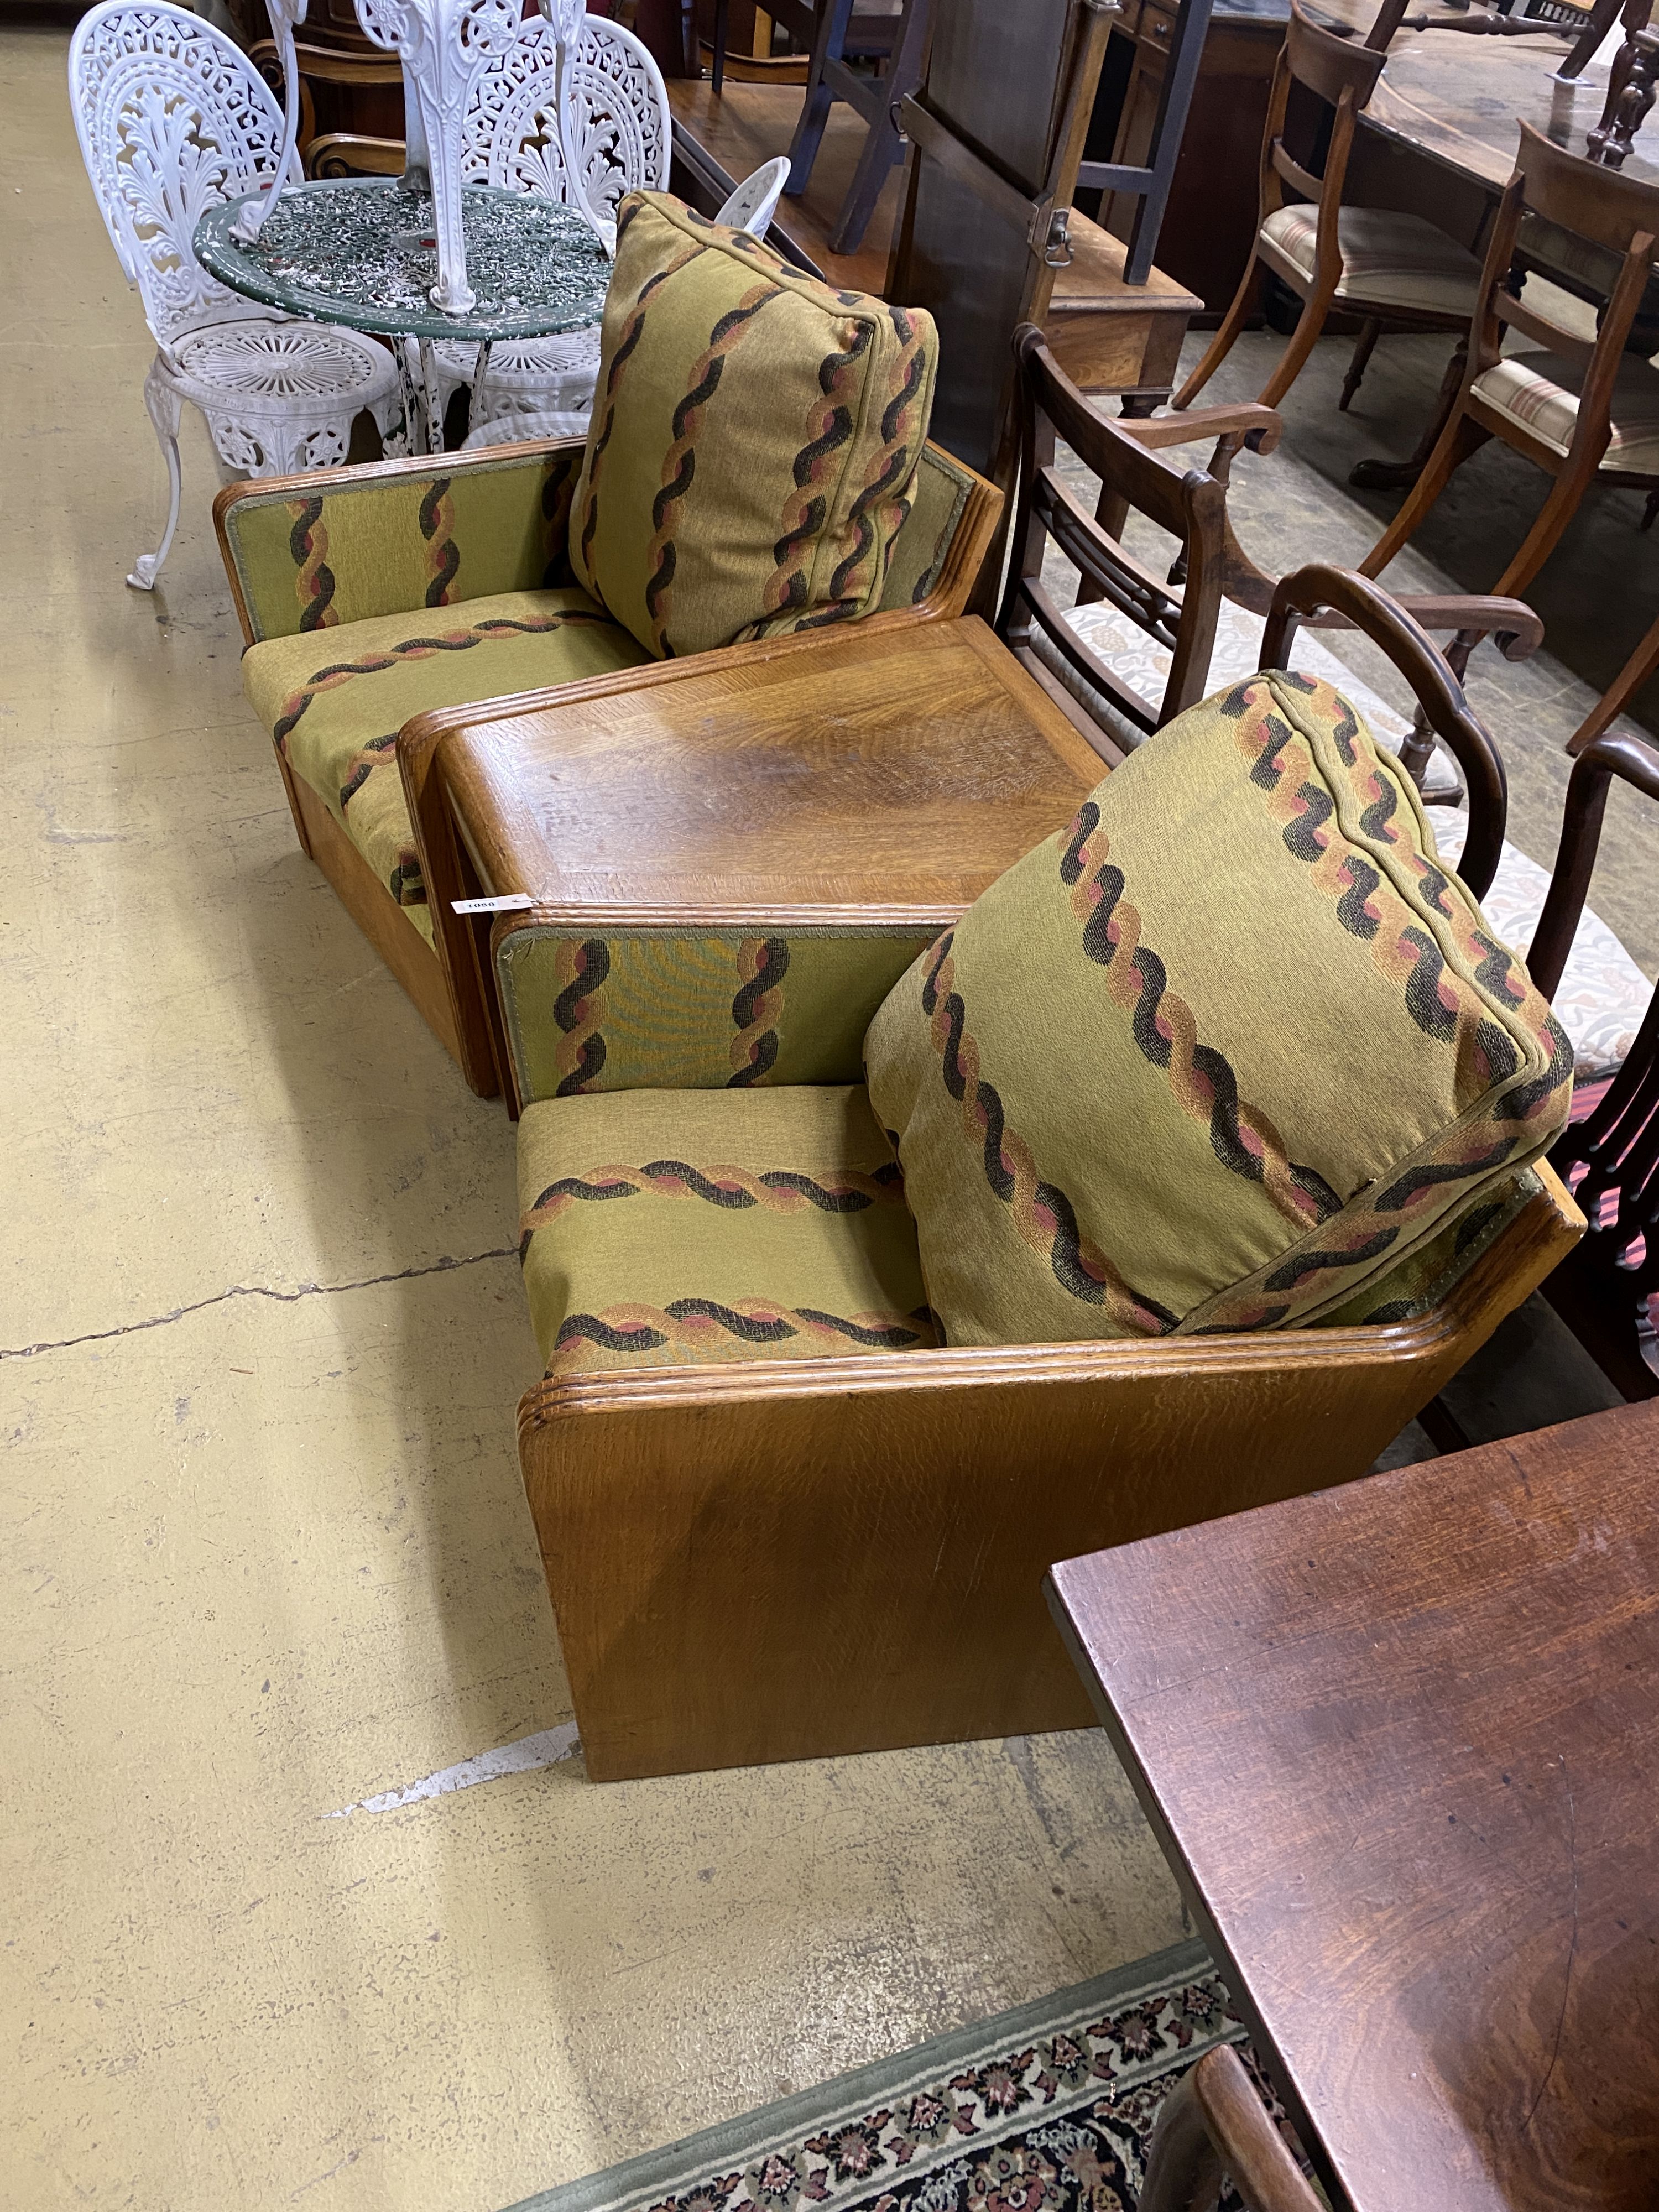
(1391, 625)
(1260, 427)
(1213, 2123)
(1513, 627)
(1637, 763)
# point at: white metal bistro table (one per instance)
(363, 251)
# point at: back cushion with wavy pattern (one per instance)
(1218, 1055)
(754, 439)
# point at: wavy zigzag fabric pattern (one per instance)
(1228, 1050)
(754, 438)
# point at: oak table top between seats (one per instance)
(1399, 1741)
(884, 762)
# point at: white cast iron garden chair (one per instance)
(172, 120)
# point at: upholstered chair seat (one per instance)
(1388, 259)
(1532, 390)
(677, 1227)
(334, 700)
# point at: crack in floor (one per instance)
(256, 1291)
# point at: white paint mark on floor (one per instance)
(530, 1751)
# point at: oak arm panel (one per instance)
(701, 998)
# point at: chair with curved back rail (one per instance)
(1605, 1289)
(1582, 413)
(1133, 652)
(1396, 271)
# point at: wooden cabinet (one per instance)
(1206, 238)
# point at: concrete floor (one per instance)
(265, 1554)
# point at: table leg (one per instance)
(414, 404)
(434, 412)
(1400, 476)
(476, 416)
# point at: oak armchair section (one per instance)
(409, 565)
(781, 1558)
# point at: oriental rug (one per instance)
(1047, 2108)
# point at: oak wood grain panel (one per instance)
(1402, 1742)
(910, 762)
(384, 923)
(796, 1559)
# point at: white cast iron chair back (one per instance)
(616, 129)
(172, 119)
(512, 411)
(616, 123)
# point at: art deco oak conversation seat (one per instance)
(1175, 1177)
(756, 464)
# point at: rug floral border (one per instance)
(1069, 2079)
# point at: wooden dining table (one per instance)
(1399, 1742)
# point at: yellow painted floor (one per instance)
(263, 1549)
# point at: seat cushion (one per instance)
(1388, 259)
(754, 438)
(334, 700)
(1537, 393)
(676, 1227)
(1216, 1054)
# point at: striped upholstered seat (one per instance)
(1388, 260)
(1528, 389)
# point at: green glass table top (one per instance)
(360, 251)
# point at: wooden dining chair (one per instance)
(1179, 625)
(1396, 271)
(1610, 1159)
(1213, 2124)
(1580, 412)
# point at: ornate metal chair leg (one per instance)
(166, 411)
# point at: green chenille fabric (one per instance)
(1223, 1052)
(682, 1228)
(334, 700)
(365, 542)
(754, 441)
(692, 1009)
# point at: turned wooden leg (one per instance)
(1400, 476)
(1368, 332)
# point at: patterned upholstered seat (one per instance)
(1528, 389)
(335, 700)
(678, 1228)
(1388, 259)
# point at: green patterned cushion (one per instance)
(335, 700)
(691, 1010)
(674, 1228)
(1227, 1049)
(754, 441)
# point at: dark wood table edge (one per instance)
(1175, 1859)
